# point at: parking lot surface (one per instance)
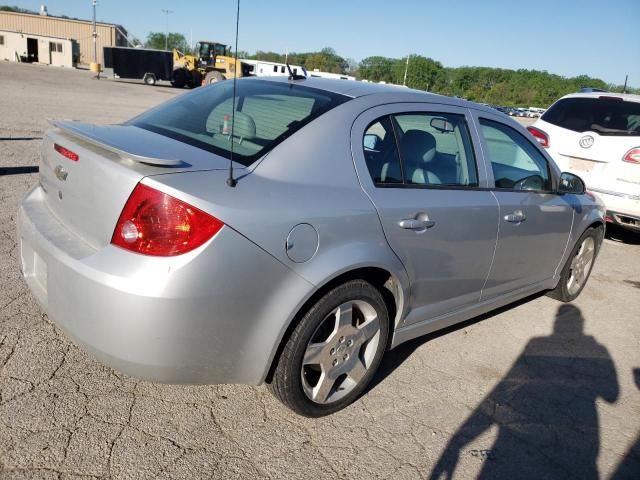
(536, 390)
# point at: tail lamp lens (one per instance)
(632, 156)
(65, 152)
(541, 137)
(154, 223)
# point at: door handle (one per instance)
(416, 224)
(515, 217)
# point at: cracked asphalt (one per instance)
(530, 391)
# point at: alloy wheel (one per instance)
(581, 265)
(340, 351)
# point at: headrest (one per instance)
(418, 147)
(245, 126)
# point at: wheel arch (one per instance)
(386, 282)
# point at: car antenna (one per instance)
(293, 76)
(232, 182)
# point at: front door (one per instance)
(418, 166)
(535, 222)
(32, 49)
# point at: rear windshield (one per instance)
(607, 116)
(266, 113)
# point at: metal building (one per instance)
(109, 35)
(22, 47)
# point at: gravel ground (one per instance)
(532, 391)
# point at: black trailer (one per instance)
(146, 64)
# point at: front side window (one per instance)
(381, 153)
(266, 114)
(436, 149)
(516, 163)
(1, 40)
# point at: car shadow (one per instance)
(544, 409)
(18, 170)
(7, 139)
(622, 235)
(396, 357)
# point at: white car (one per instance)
(597, 136)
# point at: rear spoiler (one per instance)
(107, 137)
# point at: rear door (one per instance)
(589, 136)
(535, 222)
(420, 169)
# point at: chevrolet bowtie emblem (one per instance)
(61, 173)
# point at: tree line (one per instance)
(496, 86)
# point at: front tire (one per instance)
(334, 351)
(577, 269)
(180, 78)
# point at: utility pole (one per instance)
(95, 38)
(166, 30)
(624, 90)
(406, 68)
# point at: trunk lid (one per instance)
(88, 195)
(596, 158)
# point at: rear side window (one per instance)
(607, 116)
(420, 149)
(516, 163)
(436, 149)
(381, 153)
(266, 114)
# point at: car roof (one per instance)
(356, 89)
(629, 97)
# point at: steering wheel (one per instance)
(532, 182)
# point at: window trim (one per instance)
(405, 184)
(550, 171)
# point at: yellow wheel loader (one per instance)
(213, 63)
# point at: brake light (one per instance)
(154, 223)
(65, 152)
(607, 97)
(541, 137)
(632, 156)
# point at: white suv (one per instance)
(597, 136)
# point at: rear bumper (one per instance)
(622, 209)
(213, 315)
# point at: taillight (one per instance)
(154, 223)
(65, 152)
(632, 156)
(541, 137)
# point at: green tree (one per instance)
(422, 72)
(174, 40)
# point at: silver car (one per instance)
(293, 232)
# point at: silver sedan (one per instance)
(293, 232)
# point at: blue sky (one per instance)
(567, 37)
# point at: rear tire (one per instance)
(150, 79)
(213, 77)
(578, 266)
(334, 351)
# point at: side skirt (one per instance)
(425, 327)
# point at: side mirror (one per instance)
(441, 125)
(371, 141)
(570, 183)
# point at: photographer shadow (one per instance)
(544, 408)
